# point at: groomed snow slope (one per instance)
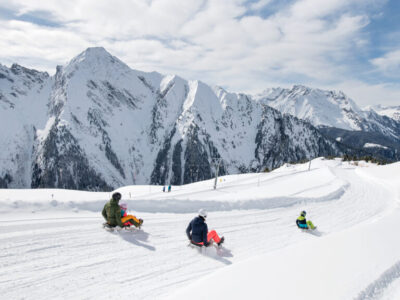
(52, 245)
(361, 262)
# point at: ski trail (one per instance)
(376, 289)
(74, 257)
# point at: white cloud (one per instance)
(260, 4)
(311, 41)
(40, 47)
(371, 94)
(389, 64)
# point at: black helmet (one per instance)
(116, 196)
(303, 213)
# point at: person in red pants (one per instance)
(197, 231)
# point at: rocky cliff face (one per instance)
(97, 125)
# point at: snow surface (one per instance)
(372, 145)
(52, 244)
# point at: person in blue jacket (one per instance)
(197, 231)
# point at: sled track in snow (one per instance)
(376, 288)
(73, 257)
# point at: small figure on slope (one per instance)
(302, 223)
(129, 220)
(197, 231)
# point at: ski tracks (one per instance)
(51, 258)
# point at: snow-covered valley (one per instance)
(53, 246)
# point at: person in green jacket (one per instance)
(112, 212)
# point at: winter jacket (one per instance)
(301, 222)
(112, 213)
(198, 229)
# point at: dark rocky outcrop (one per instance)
(63, 164)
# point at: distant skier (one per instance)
(169, 188)
(302, 223)
(129, 220)
(112, 212)
(163, 188)
(197, 231)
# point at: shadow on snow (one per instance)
(137, 238)
(214, 252)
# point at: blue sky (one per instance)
(242, 45)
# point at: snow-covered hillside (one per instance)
(338, 117)
(321, 108)
(98, 124)
(328, 109)
(53, 246)
(389, 111)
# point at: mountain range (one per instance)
(97, 124)
(375, 129)
(389, 111)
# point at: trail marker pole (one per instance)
(216, 175)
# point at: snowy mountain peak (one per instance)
(338, 116)
(96, 60)
(99, 124)
(94, 53)
(320, 107)
(97, 51)
(301, 89)
(388, 111)
(32, 74)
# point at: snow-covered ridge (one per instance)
(389, 111)
(332, 109)
(97, 125)
(327, 108)
(279, 188)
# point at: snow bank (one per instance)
(286, 186)
(50, 199)
(387, 175)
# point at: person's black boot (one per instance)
(221, 241)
